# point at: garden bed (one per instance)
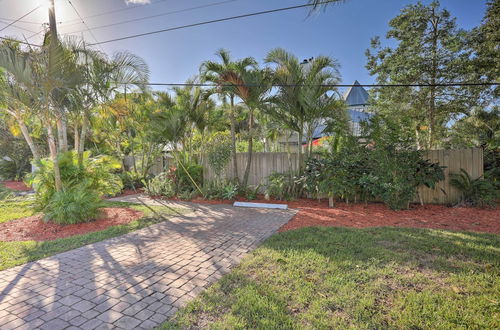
(317, 213)
(34, 229)
(15, 185)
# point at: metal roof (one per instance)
(356, 95)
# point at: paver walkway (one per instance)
(137, 280)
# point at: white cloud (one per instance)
(137, 2)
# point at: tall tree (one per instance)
(219, 73)
(431, 50)
(306, 95)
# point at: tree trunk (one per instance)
(81, 145)
(62, 137)
(29, 140)
(250, 149)
(76, 138)
(434, 69)
(299, 150)
(53, 156)
(232, 121)
(27, 137)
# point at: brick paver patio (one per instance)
(137, 280)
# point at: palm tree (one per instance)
(305, 93)
(56, 81)
(219, 73)
(252, 87)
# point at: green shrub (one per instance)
(283, 186)
(478, 192)
(132, 180)
(4, 193)
(160, 185)
(252, 192)
(220, 190)
(387, 168)
(97, 173)
(77, 204)
(219, 152)
(184, 175)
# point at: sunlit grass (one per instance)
(324, 278)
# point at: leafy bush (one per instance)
(219, 152)
(184, 176)
(387, 169)
(4, 193)
(97, 173)
(132, 180)
(230, 191)
(15, 157)
(77, 204)
(478, 192)
(220, 190)
(283, 186)
(252, 192)
(160, 185)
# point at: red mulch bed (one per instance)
(127, 192)
(314, 213)
(16, 185)
(34, 229)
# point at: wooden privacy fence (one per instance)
(266, 163)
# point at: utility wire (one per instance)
(88, 29)
(210, 22)
(111, 12)
(157, 15)
(17, 20)
(17, 26)
(322, 85)
(19, 41)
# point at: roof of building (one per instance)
(356, 95)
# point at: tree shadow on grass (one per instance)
(438, 250)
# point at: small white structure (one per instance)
(262, 205)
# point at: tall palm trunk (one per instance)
(62, 135)
(250, 149)
(27, 137)
(299, 147)
(232, 121)
(53, 156)
(81, 144)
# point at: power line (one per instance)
(17, 26)
(83, 21)
(17, 20)
(210, 22)
(19, 41)
(112, 12)
(158, 15)
(323, 85)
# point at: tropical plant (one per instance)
(221, 74)
(306, 95)
(478, 192)
(160, 185)
(98, 174)
(283, 186)
(76, 204)
(218, 151)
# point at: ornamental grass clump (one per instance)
(74, 205)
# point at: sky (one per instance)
(343, 31)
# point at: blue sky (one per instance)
(343, 31)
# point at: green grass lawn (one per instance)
(15, 209)
(320, 278)
(17, 253)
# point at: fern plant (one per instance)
(475, 192)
